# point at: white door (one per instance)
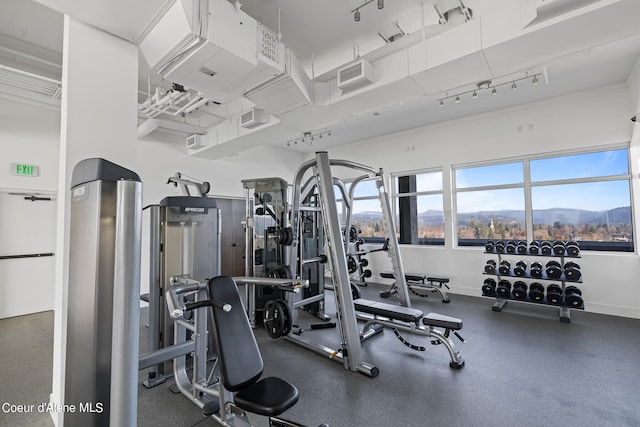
(27, 229)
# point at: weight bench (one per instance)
(241, 363)
(415, 283)
(413, 321)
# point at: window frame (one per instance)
(527, 185)
(395, 199)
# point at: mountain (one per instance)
(620, 215)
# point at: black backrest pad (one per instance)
(240, 359)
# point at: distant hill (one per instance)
(431, 217)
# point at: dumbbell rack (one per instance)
(565, 314)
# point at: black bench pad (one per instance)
(438, 279)
(442, 321)
(396, 312)
(415, 277)
(269, 397)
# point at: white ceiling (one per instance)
(324, 36)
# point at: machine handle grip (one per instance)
(208, 303)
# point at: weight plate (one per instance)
(288, 320)
(273, 319)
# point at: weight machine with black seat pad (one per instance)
(232, 393)
(416, 283)
(411, 320)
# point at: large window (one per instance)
(418, 207)
(366, 211)
(584, 197)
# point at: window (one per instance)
(418, 207)
(366, 213)
(584, 197)
(490, 203)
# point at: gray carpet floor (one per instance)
(523, 368)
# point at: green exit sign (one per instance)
(24, 170)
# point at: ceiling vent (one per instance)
(253, 118)
(355, 76)
(196, 141)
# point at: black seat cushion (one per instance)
(269, 397)
(414, 277)
(438, 279)
(396, 312)
(442, 321)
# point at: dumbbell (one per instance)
(572, 271)
(505, 267)
(572, 248)
(573, 297)
(490, 246)
(534, 247)
(511, 247)
(503, 290)
(520, 290)
(554, 269)
(536, 292)
(558, 248)
(500, 245)
(490, 268)
(522, 247)
(536, 270)
(554, 294)
(546, 248)
(520, 269)
(489, 287)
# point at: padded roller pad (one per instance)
(414, 277)
(438, 279)
(442, 321)
(270, 396)
(396, 312)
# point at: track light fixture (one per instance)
(308, 137)
(487, 85)
(356, 11)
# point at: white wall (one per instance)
(587, 119)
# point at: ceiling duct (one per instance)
(30, 82)
(212, 47)
(355, 76)
(253, 118)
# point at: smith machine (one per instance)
(315, 238)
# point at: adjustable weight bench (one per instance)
(415, 283)
(411, 320)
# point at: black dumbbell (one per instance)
(536, 292)
(554, 269)
(572, 271)
(489, 287)
(536, 270)
(500, 245)
(554, 294)
(520, 290)
(573, 297)
(572, 248)
(534, 247)
(505, 267)
(503, 290)
(490, 246)
(520, 269)
(490, 268)
(546, 248)
(558, 248)
(522, 247)
(511, 247)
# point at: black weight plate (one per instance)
(273, 319)
(288, 320)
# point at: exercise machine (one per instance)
(230, 391)
(102, 330)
